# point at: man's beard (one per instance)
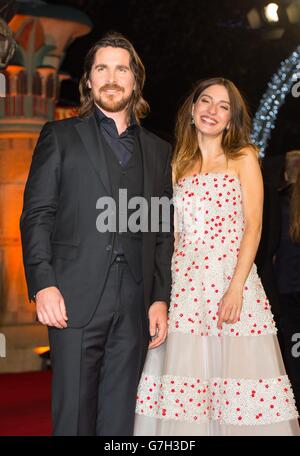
(108, 103)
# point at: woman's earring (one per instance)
(193, 120)
(227, 128)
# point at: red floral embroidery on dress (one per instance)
(206, 257)
(209, 218)
(231, 401)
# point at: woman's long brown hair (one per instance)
(187, 152)
(137, 105)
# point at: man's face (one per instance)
(111, 79)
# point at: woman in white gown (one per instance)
(220, 371)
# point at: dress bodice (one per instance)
(208, 211)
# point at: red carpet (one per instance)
(25, 408)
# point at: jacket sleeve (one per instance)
(41, 197)
(164, 242)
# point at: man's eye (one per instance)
(100, 68)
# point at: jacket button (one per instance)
(108, 247)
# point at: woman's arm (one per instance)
(176, 229)
(252, 201)
(176, 215)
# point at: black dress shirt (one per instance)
(122, 144)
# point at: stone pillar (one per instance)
(17, 315)
(42, 40)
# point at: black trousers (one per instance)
(290, 326)
(96, 369)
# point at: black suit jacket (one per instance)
(61, 245)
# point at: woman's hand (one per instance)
(230, 306)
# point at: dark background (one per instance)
(183, 41)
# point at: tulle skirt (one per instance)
(215, 385)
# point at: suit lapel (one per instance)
(149, 165)
(89, 133)
(149, 169)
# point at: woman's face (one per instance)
(212, 111)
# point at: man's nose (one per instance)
(111, 77)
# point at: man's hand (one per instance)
(50, 307)
(158, 314)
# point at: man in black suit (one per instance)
(103, 294)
